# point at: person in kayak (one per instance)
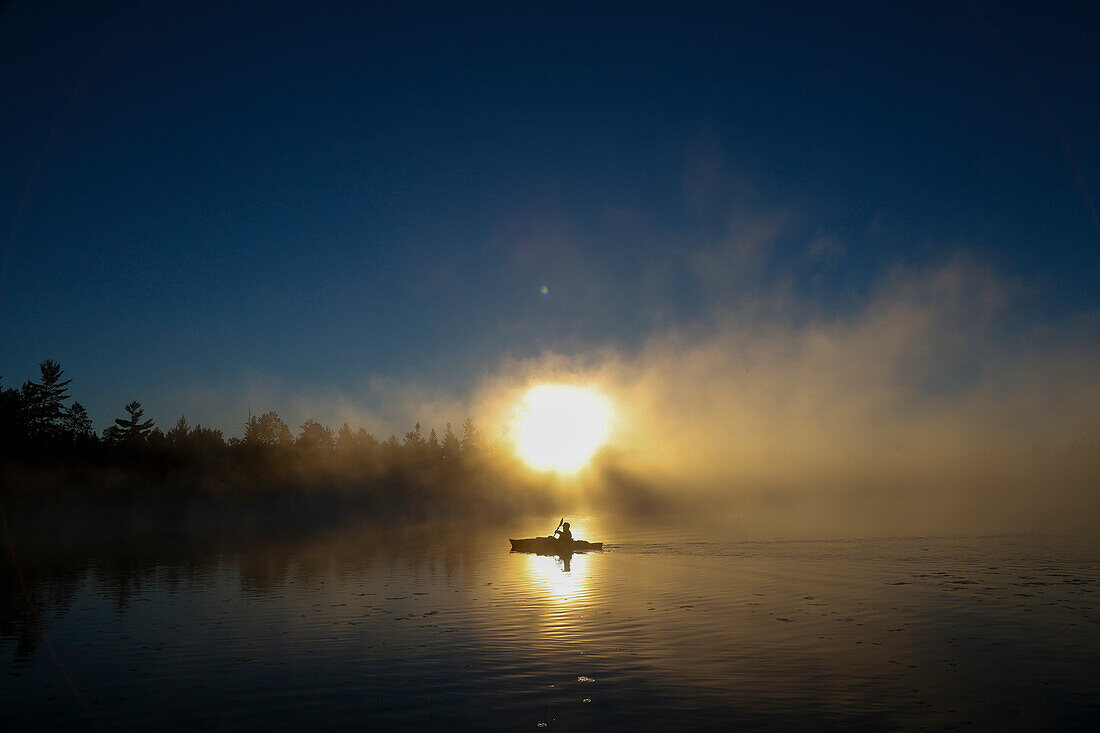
(564, 533)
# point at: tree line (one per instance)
(48, 439)
(37, 415)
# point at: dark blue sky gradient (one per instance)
(193, 192)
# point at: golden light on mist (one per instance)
(560, 427)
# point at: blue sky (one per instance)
(194, 194)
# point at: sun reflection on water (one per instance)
(563, 580)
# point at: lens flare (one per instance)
(559, 427)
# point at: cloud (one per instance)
(932, 407)
(825, 249)
(740, 251)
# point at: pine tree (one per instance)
(413, 439)
(452, 449)
(267, 429)
(345, 438)
(132, 429)
(364, 441)
(179, 432)
(13, 420)
(205, 439)
(315, 435)
(471, 438)
(76, 423)
(44, 401)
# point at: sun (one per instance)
(559, 427)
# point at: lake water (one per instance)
(276, 626)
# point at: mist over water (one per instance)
(283, 623)
(929, 408)
(936, 402)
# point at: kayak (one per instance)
(552, 546)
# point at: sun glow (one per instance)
(559, 427)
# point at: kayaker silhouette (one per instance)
(564, 533)
(561, 541)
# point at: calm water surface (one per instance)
(386, 627)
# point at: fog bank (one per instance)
(931, 408)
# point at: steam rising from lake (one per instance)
(940, 404)
(928, 409)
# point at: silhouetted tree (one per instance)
(130, 430)
(432, 446)
(413, 441)
(177, 436)
(364, 441)
(205, 439)
(156, 440)
(315, 435)
(471, 437)
(194, 440)
(452, 449)
(44, 401)
(345, 438)
(267, 429)
(390, 447)
(13, 425)
(76, 423)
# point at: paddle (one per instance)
(556, 529)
